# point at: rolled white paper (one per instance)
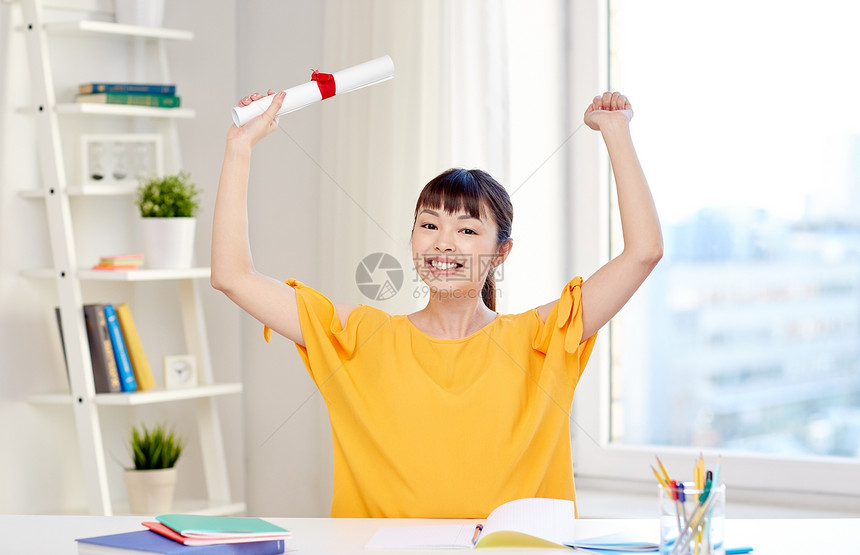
(346, 80)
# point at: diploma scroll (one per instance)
(346, 80)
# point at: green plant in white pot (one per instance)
(168, 208)
(152, 481)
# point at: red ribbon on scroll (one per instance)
(325, 81)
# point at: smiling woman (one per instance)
(418, 403)
(460, 248)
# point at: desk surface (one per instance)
(23, 535)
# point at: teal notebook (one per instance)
(202, 526)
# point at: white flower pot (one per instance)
(150, 492)
(148, 13)
(168, 243)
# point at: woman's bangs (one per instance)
(455, 191)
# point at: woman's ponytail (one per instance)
(488, 292)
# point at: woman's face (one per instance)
(454, 252)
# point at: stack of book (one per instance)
(182, 533)
(135, 94)
(119, 262)
(116, 352)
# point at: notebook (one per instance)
(530, 522)
(163, 530)
(221, 527)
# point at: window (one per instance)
(746, 339)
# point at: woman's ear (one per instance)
(504, 251)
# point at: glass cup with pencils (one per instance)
(692, 514)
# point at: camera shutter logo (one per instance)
(379, 276)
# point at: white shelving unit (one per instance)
(116, 110)
(55, 190)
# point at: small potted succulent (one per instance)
(168, 209)
(151, 482)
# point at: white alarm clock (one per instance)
(180, 371)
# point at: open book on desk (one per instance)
(531, 522)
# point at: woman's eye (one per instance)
(469, 231)
(428, 226)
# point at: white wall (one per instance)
(287, 440)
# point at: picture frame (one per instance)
(119, 161)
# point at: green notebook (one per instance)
(201, 526)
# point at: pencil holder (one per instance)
(692, 521)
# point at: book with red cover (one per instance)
(185, 540)
(119, 262)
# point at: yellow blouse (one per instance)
(446, 428)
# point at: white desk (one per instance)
(55, 535)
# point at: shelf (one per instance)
(129, 275)
(87, 108)
(102, 189)
(142, 397)
(167, 395)
(59, 120)
(144, 274)
(108, 188)
(110, 28)
(121, 110)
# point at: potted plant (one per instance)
(168, 208)
(150, 484)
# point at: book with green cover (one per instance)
(133, 99)
(205, 526)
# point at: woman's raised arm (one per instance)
(270, 301)
(611, 286)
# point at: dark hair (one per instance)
(479, 195)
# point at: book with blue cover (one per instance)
(146, 541)
(123, 363)
(145, 88)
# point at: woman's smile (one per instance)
(443, 266)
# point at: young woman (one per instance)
(452, 410)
